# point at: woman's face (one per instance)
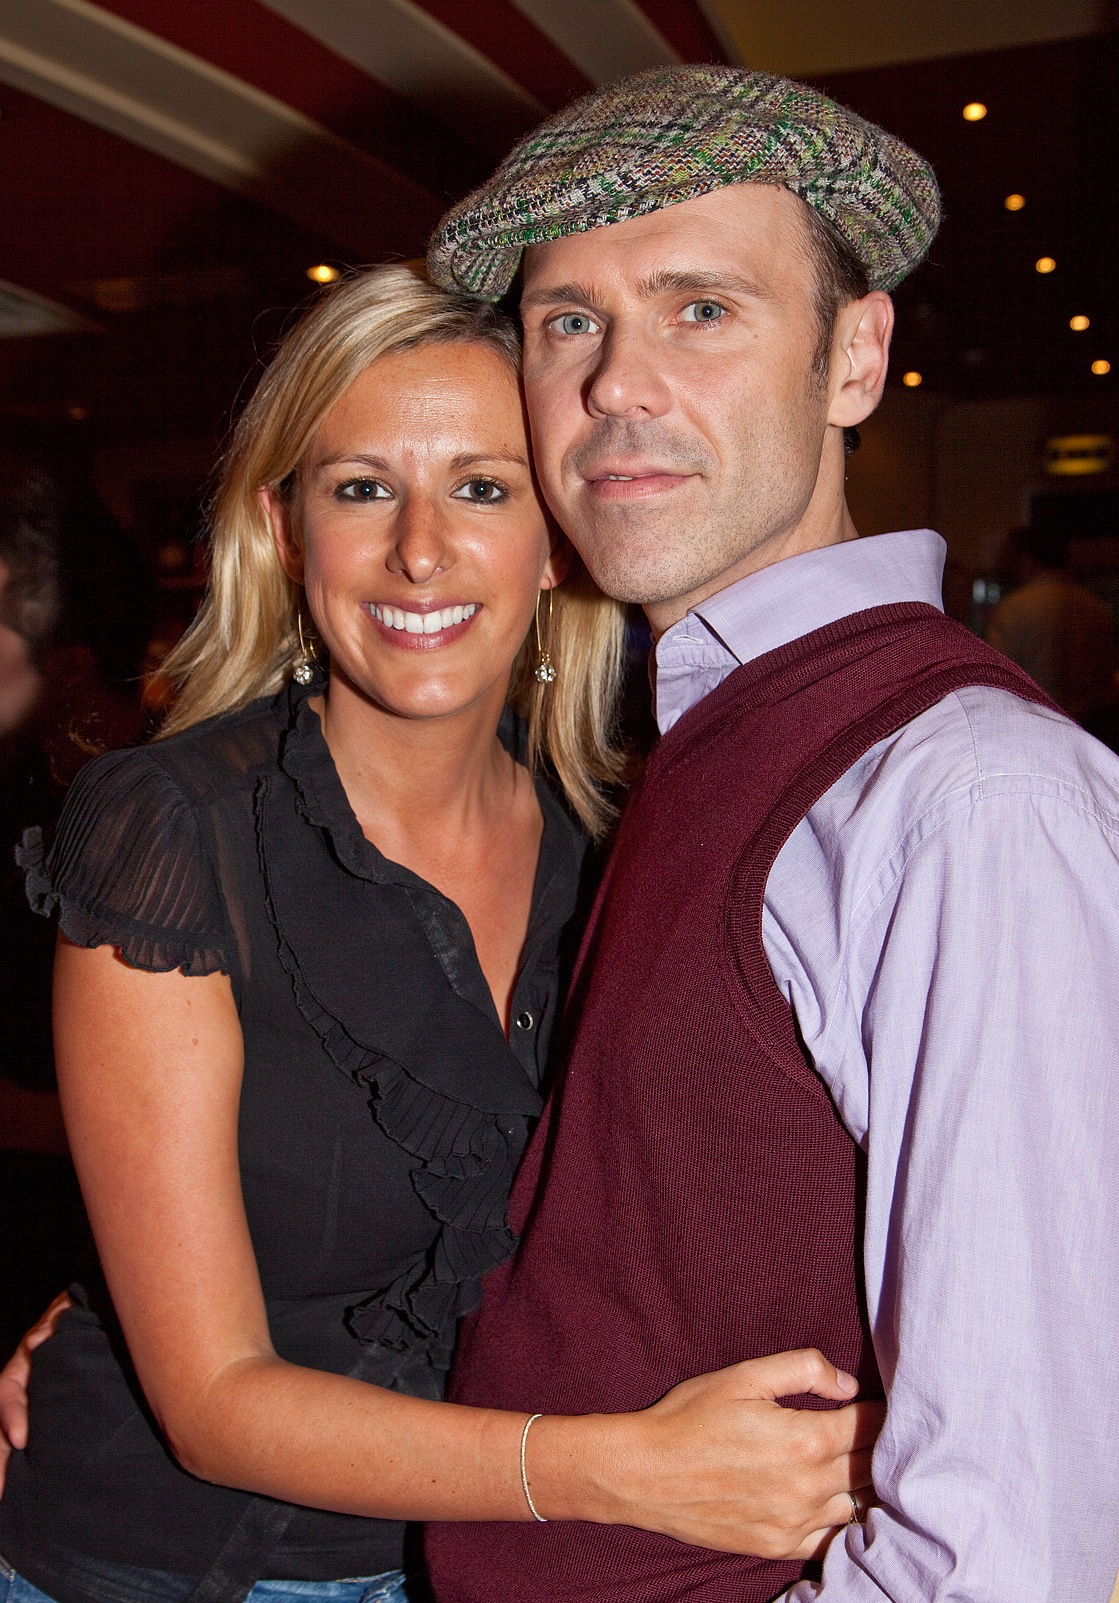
(417, 532)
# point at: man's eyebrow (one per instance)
(698, 281)
(667, 281)
(555, 294)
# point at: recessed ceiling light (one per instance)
(974, 111)
(1079, 323)
(1014, 203)
(1045, 264)
(323, 273)
(911, 379)
(1100, 368)
(78, 413)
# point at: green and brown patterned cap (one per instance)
(672, 134)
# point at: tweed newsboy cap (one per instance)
(672, 134)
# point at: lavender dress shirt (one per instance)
(945, 926)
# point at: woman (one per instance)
(316, 901)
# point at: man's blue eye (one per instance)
(575, 323)
(704, 312)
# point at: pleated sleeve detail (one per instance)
(128, 868)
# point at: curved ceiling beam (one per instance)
(417, 55)
(121, 77)
(604, 38)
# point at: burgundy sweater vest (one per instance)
(691, 1197)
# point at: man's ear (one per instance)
(860, 357)
(284, 534)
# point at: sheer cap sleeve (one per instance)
(128, 868)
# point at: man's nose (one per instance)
(629, 380)
(421, 544)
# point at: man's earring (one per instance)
(545, 667)
(304, 670)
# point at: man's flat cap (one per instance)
(672, 134)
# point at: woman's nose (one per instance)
(421, 547)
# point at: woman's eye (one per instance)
(482, 491)
(361, 490)
(703, 312)
(575, 323)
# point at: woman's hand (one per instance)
(718, 1462)
(13, 1382)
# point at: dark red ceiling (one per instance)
(80, 205)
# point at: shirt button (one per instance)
(525, 1021)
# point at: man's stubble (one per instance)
(717, 521)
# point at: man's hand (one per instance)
(14, 1378)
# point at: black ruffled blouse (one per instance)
(382, 1112)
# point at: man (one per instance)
(1052, 626)
(865, 901)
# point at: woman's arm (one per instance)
(149, 1069)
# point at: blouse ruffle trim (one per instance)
(307, 761)
(88, 925)
(463, 1171)
(464, 1157)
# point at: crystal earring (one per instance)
(304, 670)
(545, 667)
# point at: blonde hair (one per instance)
(244, 640)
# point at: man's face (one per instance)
(677, 422)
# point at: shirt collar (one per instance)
(789, 599)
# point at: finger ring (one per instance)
(856, 1512)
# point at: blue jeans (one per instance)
(120, 1583)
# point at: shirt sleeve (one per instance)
(128, 868)
(982, 992)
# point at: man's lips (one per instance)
(633, 484)
(422, 627)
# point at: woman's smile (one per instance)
(426, 628)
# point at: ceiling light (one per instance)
(974, 111)
(1014, 203)
(78, 413)
(911, 379)
(1045, 264)
(1100, 368)
(1079, 323)
(323, 273)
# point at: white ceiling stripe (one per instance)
(604, 38)
(108, 71)
(721, 29)
(414, 53)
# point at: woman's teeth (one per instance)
(422, 623)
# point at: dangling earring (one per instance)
(304, 670)
(545, 667)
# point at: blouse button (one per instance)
(524, 1021)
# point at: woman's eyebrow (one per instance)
(464, 459)
(338, 457)
(469, 459)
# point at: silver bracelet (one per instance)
(532, 1508)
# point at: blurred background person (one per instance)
(75, 617)
(1053, 626)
